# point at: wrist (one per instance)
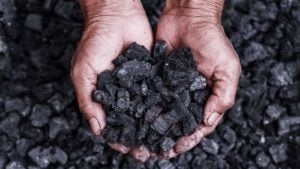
(203, 10)
(93, 9)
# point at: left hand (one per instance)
(197, 24)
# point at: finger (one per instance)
(169, 35)
(141, 153)
(188, 142)
(84, 84)
(225, 81)
(119, 147)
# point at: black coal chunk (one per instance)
(40, 115)
(189, 123)
(127, 135)
(10, 125)
(210, 146)
(278, 152)
(167, 144)
(262, 160)
(15, 165)
(151, 99)
(43, 157)
(23, 145)
(14, 105)
(34, 21)
(164, 121)
(111, 134)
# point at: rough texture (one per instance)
(35, 65)
(148, 95)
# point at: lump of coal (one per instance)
(167, 144)
(10, 125)
(262, 160)
(111, 134)
(127, 135)
(163, 122)
(210, 146)
(43, 157)
(14, 105)
(286, 123)
(23, 145)
(153, 99)
(57, 125)
(275, 110)
(15, 165)
(40, 115)
(278, 152)
(34, 21)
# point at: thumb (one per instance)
(225, 81)
(84, 83)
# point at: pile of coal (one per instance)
(151, 99)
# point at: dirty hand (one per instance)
(110, 27)
(197, 24)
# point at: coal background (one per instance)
(41, 127)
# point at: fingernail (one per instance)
(212, 118)
(95, 126)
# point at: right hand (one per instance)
(110, 26)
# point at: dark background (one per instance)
(41, 127)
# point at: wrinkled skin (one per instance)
(111, 27)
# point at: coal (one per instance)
(146, 95)
(58, 125)
(111, 134)
(23, 145)
(262, 160)
(43, 157)
(10, 125)
(57, 103)
(3, 161)
(14, 105)
(167, 144)
(43, 92)
(127, 136)
(34, 22)
(210, 146)
(64, 9)
(275, 110)
(40, 115)
(164, 164)
(7, 143)
(35, 68)
(286, 123)
(278, 152)
(15, 165)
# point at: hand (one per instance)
(110, 26)
(197, 24)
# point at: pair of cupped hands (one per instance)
(112, 25)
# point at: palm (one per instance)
(104, 40)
